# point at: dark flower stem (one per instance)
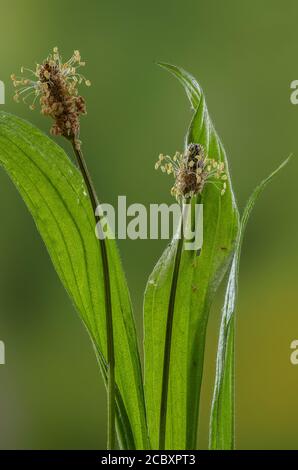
(108, 303)
(168, 343)
(167, 351)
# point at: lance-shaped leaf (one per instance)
(223, 404)
(56, 196)
(179, 295)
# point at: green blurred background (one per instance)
(245, 55)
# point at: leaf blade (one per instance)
(56, 196)
(222, 426)
(198, 280)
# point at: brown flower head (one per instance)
(192, 170)
(56, 85)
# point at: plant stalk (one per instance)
(108, 303)
(168, 343)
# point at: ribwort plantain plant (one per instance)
(92, 274)
(160, 411)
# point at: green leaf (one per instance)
(56, 196)
(223, 404)
(186, 293)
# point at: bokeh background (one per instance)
(245, 55)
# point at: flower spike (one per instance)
(192, 170)
(55, 83)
